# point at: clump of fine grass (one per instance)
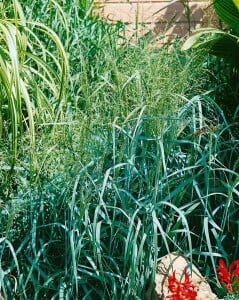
(125, 80)
(108, 81)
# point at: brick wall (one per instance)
(167, 17)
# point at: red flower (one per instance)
(229, 278)
(181, 290)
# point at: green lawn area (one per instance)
(111, 155)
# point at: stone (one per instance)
(165, 267)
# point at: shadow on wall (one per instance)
(178, 20)
(165, 18)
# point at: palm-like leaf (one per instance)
(228, 12)
(218, 42)
(236, 2)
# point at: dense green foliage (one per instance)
(223, 43)
(138, 160)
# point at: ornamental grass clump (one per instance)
(33, 73)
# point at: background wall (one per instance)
(168, 17)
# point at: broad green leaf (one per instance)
(198, 37)
(228, 12)
(216, 42)
(236, 2)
